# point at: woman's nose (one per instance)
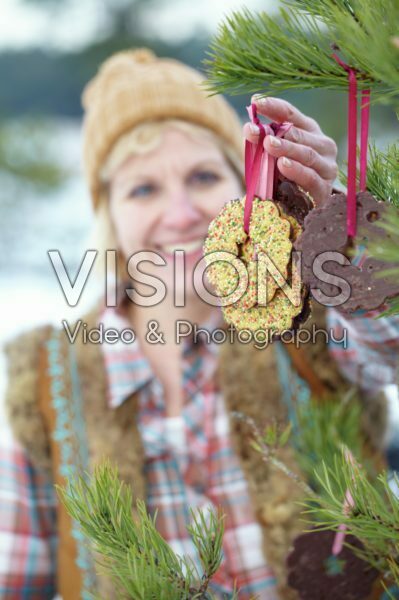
(180, 213)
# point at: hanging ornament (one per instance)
(346, 225)
(293, 201)
(258, 232)
(317, 574)
(270, 233)
(325, 230)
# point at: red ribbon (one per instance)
(348, 505)
(260, 166)
(352, 142)
(253, 160)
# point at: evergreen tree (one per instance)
(252, 53)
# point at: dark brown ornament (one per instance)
(305, 312)
(293, 201)
(325, 231)
(317, 575)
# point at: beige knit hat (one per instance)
(135, 86)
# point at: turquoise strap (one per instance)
(294, 388)
(70, 435)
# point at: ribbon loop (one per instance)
(348, 505)
(352, 144)
(260, 166)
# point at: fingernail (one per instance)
(287, 162)
(259, 100)
(254, 129)
(275, 141)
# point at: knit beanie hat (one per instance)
(135, 86)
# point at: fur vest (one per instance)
(250, 383)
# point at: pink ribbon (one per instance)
(260, 166)
(340, 535)
(348, 504)
(352, 142)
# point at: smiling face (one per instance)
(165, 199)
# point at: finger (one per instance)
(307, 156)
(280, 110)
(251, 132)
(306, 178)
(321, 143)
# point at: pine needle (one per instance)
(374, 518)
(130, 550)
(256, 52)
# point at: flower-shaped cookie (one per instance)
(269, 234)
(276, 316)
(270, 295)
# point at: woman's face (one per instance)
(164, 201)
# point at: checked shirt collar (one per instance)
(128, 370)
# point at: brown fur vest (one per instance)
(250, 384)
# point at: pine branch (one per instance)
(324, 9)
(374, 519)
(132, 552)
(388, 251)
(392, 310)
(367, 40)
(267, 444)
(383, 173)
(207, 539)
(251, 52)
(323, 427)
(320, 431)
(259, 53)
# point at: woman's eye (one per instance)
(205, 177)
(141, 190)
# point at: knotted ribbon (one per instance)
(348, 505)
(260, 166)
(352, 141)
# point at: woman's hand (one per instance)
(305, 155)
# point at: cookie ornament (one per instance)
(249, 247)
(335, 264)
(317, 574)
(325, 241)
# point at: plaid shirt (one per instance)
(371, 356)
(189, 462)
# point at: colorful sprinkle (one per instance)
(265, 254)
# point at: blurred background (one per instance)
(49, 49)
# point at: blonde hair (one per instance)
(143, 139)
(136, 86)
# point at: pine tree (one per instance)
(254, 53)
(268, 55)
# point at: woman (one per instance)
(161, 159)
